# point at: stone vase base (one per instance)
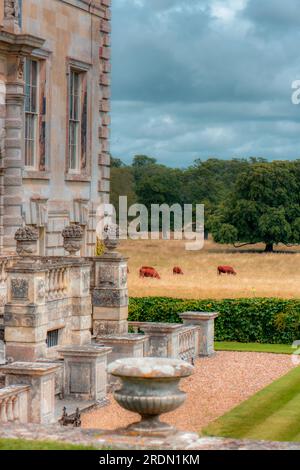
(151, 426)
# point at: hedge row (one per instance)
(260, 320)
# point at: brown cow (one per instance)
(177, 270)
(226, 270)
(148, 271)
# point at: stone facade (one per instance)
(62, 37)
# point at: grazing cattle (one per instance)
(177, 270)
(147, 271)
(226, 270)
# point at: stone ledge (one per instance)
(119, 441)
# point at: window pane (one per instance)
(34, 65)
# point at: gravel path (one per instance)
(219, 384)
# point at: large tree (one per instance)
(264, 206)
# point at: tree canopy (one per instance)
(246, 200)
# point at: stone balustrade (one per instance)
(172, 340)
(188, 343)
(14, 404)
(57, 283)
(49, 306)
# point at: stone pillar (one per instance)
(110, 296)
(129, 345)
(25, 315)
(82, 306)
(85, 372)
(13, 190)
(104, 81)
(41, 379)
(206, 323)
(163, 339)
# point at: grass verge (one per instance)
(272, 414)
(21, 444)
(254, 347)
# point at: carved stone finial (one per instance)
(73, 236)
(26, 238)
(111, 237)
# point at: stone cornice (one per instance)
(19, 43)
(87, 5)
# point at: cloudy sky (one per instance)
(200, 78)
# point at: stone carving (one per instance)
(11, 9)
(20, 68)
(41, 289)
(86, 282)
(2, 353)
(26, 239)
(2, 142)
(150, 388)
(19, 289)
(111, 236)
(124, 276)
(107, 276)
(73, 237)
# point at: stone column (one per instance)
(25, 314)
(85, 372)
(82, 306)
(206, 323)
(41, 379)
(13, 164)
(110, 296)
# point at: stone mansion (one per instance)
(54, 121)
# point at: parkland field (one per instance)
(259, 274)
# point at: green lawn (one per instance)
(254, 347)
(272, 414)
(20, 444)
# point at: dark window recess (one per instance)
(52, 338)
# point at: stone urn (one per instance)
(111, 236)
(73, 237)
(26, 238)
(150, 388)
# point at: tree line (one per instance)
(247, 201)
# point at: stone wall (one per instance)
(76, 34)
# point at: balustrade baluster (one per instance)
(10, 412)
(16, 408)
(3, 414)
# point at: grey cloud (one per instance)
(186, 84)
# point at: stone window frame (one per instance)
(31, 111)
(42, 56)
(84, 68)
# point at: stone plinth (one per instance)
(206, 323)
(129, 345)
(85, 372)
(25, 316)
(163, 338)
(41, 379)
(110, 295)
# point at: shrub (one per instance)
(260, 320)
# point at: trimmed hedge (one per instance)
(257, 320)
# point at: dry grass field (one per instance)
(259, 274)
